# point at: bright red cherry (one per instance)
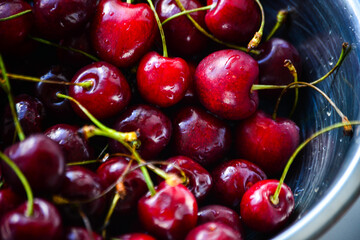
(223, 82)
(260, 213)
(122, 32)
(162, 81)
(213, 231)
(135, 236)
(266, 142)
(170, 214)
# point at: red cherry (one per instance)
(213, 231)
(135, 236)
(79, 233)
(257, 210)
(223, 82)
(266, 142)
(171, 213)
(9, 200)
(121, 32)
(162, 81)
(109, 94)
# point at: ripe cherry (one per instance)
(135, 236)
(213, 231)
(9, 200)
(79, 233)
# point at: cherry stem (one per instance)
(87, 223)
(162, 34)
(187, 12)
(280, 19)
(275, 198)
(203, 31)
(129, 1)
(5, 84)
(24, 181)
(255, 41)
(40, 40)
(15, 15)
(344, 52)
(110, 212)
(293, 72)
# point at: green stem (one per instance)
(40, 40)
(274, 199)
(187, 12)
(255, 41)
(109, 213)
(280, 19)
(24, 181)
(293, 72)
(162, 34)
(15, 15)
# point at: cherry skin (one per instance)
(153, 126)
(213, 231)
(223, 82)
(232, 179)
(233, 20)
(170, 214)
(79, 233)
(44, 224)
(200, 136)
(162, 81)
(109, 85)
(259, 213)
(135, 236)
(74, 147)
(41, 161)
(190, 94)
(266, 142)
(182, 38)
(9, 200)
(199, 180)
(122, 32)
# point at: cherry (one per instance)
(260, 213)
(213, 231)
(9, 200)
(153, 126)
(170, 214)
(122, 32)
(182, 37)
(57, 19)
(74, 147)
(233, 20)
(79, 233)
(199, 180)
(135, 236)
(267, 142)
(190, 94)
(42, 162)
(44, 224)
(109, 85)
(162, 81)
(223, 82)
(232, 179)
(200, 136)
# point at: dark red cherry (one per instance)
(79, 233)
(232, 179)
(109, 94)
(170, 214)
(223, 82)
(14, 32)
(74, 147)
(41, 161)
(182, 38)
(44, 224)
(122, 32)
(154, 129)
(222, 214)
(134, 182)
(233, 20)
(9, 200)
(213, 231)
(190, 94)
(259, 213)
(135, 236)
(266, 142)
(200, 136)
(199, 180)
(162, 81)
(57, 18)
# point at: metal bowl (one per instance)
(326, 178)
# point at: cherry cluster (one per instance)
(189, 153)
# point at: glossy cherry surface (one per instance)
(162, 81)
(153, 126)
(79, 233)
(200, 136)
(223, 82)
(44, 224)
(170, 214)
(109, 85)
(266, 142)
(232, 179)
(136, 236)
(122, 32)
(9, 200)
(258, 212)
(213, 231)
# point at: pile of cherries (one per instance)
(176, 146)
